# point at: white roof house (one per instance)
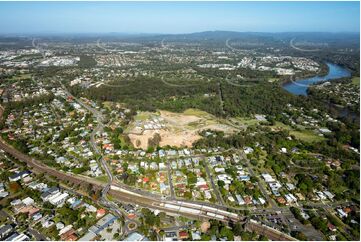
(219, 169)
(329, 195)
(267, 177)
(162, 166)
(261, 200)
(28, 201)
(321, 195)
(240, 199)
(341, 213)
(248, 150)
(274, 185)
(290, 186)
(59, 199)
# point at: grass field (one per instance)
(304, 135)
(102, 178)
(246, 121)
(110, 197)
(273, 79)
(196, 112)
(307, 135)
(143, 116)
(21, 77)
(107, 104)
(122, 140)
(356, 81)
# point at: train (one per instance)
(197, 210)
(190, 208)
(210, 209)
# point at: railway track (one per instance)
(38, 167)
(269, 232)
(121, 195)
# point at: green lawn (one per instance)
(108, 104)
(356, 81)
(110, 197)
(304, 135)
(272, 79)
(142, 116)
(246, 121)
(21, 77)
(196, 112)
(122, 140)
(195, 125)
(102, 178)
(307, 135)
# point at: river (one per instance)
(299, 87)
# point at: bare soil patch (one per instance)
(177, 129)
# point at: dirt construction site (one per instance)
(175, 129)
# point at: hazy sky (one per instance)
(177, 17)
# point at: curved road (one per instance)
(100, 119)
(300, 49)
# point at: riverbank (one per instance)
(324, 70)
(342, 97)
(300, 87)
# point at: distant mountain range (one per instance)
(342, 39)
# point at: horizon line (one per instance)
(181, 33)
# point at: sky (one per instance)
(178, 17)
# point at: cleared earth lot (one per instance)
(175, 129)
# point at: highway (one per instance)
(300, 49)
(229, 46)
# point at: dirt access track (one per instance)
(175, 129)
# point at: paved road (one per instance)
(170, 180)
(271, 202)
(4, 214)
(284, 212)
(229, 46)
(221, 102)
(300, 49)
(100, 119)
(38, 236)
(214, 187)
